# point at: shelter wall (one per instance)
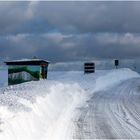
(23, 73)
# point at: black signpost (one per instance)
(116, 63)
(89, 67)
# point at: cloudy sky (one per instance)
(70, 31)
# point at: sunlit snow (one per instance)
(49, 109)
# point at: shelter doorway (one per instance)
(44, 71)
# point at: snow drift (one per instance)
(3, 78)
(47, 109)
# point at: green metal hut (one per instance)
(20, 71)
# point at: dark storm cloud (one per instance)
(68, 47)
(69, 31)
(92, 16)
(70, 16)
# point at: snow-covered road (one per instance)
(71, 105)
(113, 113)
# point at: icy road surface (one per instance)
(111, 114)
(71, 105)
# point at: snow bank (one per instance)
(114, 77)
(3, 78)
(38, 112)
(47, 109)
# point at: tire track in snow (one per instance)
(110, 114)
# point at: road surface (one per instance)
(111, 114)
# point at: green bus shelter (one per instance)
(20, 71)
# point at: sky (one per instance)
(70, 31)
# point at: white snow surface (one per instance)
(47, 109)
(3, 78)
